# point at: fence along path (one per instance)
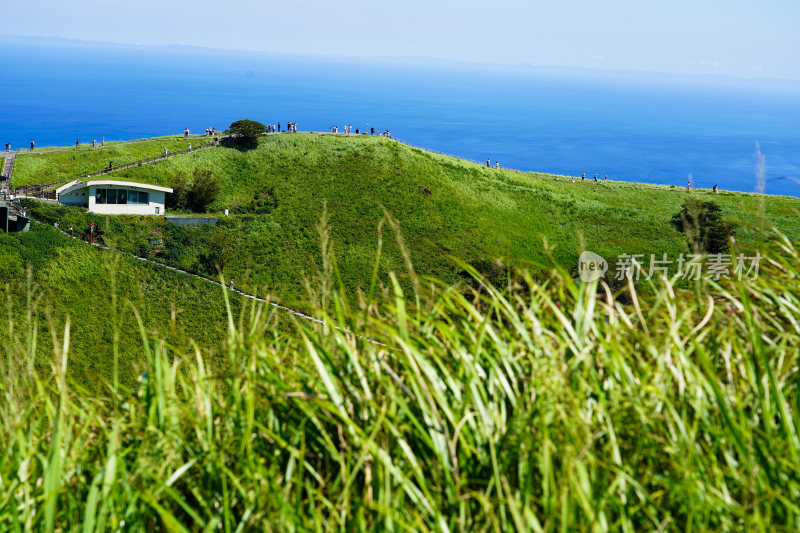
(42, 191)
(270, 302)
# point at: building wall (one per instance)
(154, 207)
(192, 221)
(79, 197)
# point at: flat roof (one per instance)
(77, 185)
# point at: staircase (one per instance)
(5, 177)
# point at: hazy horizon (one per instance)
(656, 128)
(417, 61)
(683, 37)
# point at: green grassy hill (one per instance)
(538, 405)
(50, 277)
(51, 164)
(445, 207)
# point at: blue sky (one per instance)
(751, 39)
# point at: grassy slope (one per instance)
(72, 279)
(550, 407)
(445, 207)
(542, 410)
(35, 168)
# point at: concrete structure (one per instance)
(111, 197)
(192, 221)
(11, 218)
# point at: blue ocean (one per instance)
(631, 126)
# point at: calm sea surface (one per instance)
(655, 129)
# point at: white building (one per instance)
(114, 197)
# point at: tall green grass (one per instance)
(536, 406)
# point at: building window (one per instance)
(121, 196)
(138, 198)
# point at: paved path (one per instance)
(8, 168)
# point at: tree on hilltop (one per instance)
(247, 131)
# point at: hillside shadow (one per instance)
(243, 144)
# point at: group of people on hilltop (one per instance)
(583, 178)
(714, 189)
(210, 132)
(348, 130)
(78, 142)
(596, 176)
(291, 127)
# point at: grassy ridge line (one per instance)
(84, 153)
(446, 208)
(542, 407)
(87, 146)
(51, 166)
(99, 291)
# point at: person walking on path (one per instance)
(8, 147)
(32, 143)
(497, 164)
(102, 141)
(230, 285)
(716, 189)
(605, 178)
(488, 163)
(94, 142)
(583, 176)
(77, 143)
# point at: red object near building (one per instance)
(91, 233)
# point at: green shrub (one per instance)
(203, 191)
(178, 183)
(701, 221)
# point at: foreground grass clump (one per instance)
(543, 407)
